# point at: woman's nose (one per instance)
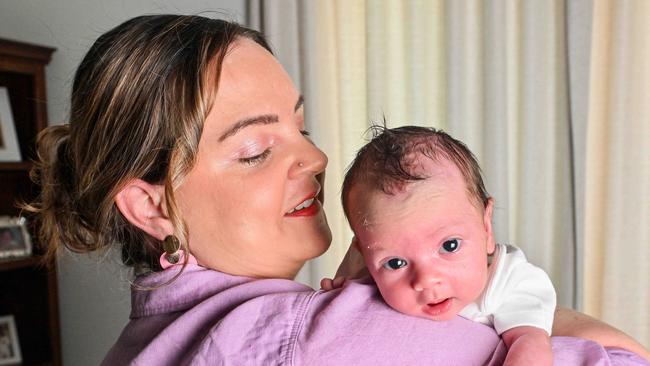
(309, 158)
(426, 277)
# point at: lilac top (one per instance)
(210, 318)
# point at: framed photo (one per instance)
(9, 346)
(9, 148)
(14, 238)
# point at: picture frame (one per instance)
(9, 147)
(15, 241)
(9, 344)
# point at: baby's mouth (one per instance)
(438, 308)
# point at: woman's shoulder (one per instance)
(204, 312)
(354, 324)
(196, 285)
(210, 317)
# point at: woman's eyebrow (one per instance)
(257, 120)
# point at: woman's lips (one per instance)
(310, 210)
(437, 309)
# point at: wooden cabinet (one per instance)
(28, 290)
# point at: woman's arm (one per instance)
(571, 323)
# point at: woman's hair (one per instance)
(139, 100)
(389, 162)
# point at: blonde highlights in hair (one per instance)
(139, 100)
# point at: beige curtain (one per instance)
(617, 195)
(512, 79)
(480, 71)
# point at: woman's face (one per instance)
(249, 201)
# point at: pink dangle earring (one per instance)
(173, 254)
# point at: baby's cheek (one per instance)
(396, 297)
(383, 286)
(473, 285)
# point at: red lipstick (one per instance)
(310, 210)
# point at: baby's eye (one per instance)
(451, 245)
(254, 160)
(395, 263)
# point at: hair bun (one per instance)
(53, 172)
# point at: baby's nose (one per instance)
(426, 278)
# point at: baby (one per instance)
(422, 220)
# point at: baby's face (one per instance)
(425, 247)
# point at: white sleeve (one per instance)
(520, 294)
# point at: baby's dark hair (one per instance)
(387, 162)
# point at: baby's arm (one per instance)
(522, 300)
(570, 323)
(527, 346)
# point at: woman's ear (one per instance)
(487, 223)
(143, 205)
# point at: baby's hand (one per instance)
(327, 284)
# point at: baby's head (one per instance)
(416, 201)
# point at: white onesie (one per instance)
(517, 294)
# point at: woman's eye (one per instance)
(254, 160)
(395, 263)
(451, 245)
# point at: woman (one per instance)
(186, 146)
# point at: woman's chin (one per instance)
(320, 245)
(320, 239)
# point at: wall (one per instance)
(93, 289)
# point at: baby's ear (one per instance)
(143, 205)
(352, 265)
(487, 224)
(355, 243)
